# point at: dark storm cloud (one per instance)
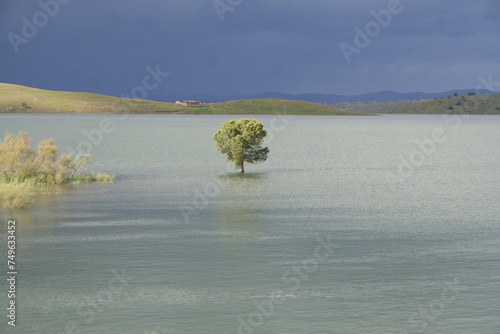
(272, 45)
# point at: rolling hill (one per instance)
(487, 104)
(322, 98)
(14, 98)
(21, 99)
(270, 107)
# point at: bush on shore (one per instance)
(25, 172)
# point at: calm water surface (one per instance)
(318, 239)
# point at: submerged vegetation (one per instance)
(25, 172)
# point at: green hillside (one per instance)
(14, 98)
(20, 99)
(488, 104)
(270, 106)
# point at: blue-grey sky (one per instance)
(250, 46)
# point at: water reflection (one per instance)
(37, 224)
(239, 208)
(243, 176)
(238, 218)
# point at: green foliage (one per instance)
(241, 141)
(24, 171)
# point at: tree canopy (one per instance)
(240, 140)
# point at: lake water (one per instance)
(349, 227)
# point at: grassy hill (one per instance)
(486, 104)
(14, 98)
(270, 106)
(21, 99)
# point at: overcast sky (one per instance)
(250, 46)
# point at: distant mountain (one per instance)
(312, 97)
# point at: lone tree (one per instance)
(241, 142)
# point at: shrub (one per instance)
(24, 171)
(19, 163)
(103, 178)
(16, 195)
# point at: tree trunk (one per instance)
(242, 168)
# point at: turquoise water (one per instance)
(318, 239)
